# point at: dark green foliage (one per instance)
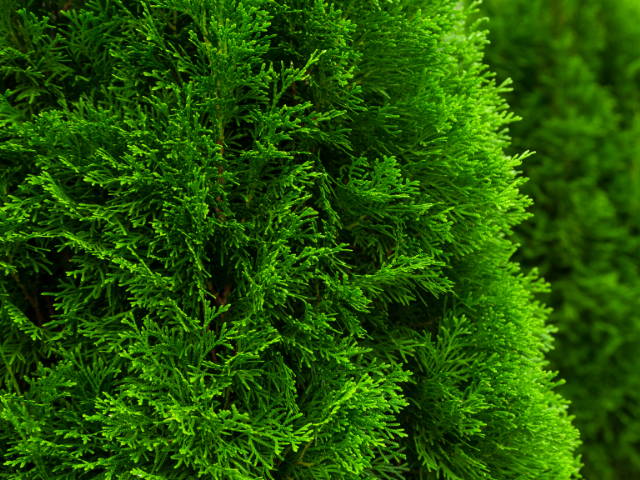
(268, 239)
(576, 71)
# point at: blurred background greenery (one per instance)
(575, 66)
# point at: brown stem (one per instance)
(301, 457)
(219, 299)
(33, 301)
(217, 209)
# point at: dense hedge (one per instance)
(576, 71)
(268, 239)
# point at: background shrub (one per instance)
(264, 239)
(576, 72)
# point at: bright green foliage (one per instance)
(264, 239)
(576, 71)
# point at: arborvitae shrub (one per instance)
(576, 72)
(265, 239)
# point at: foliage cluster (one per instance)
(268, 239)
